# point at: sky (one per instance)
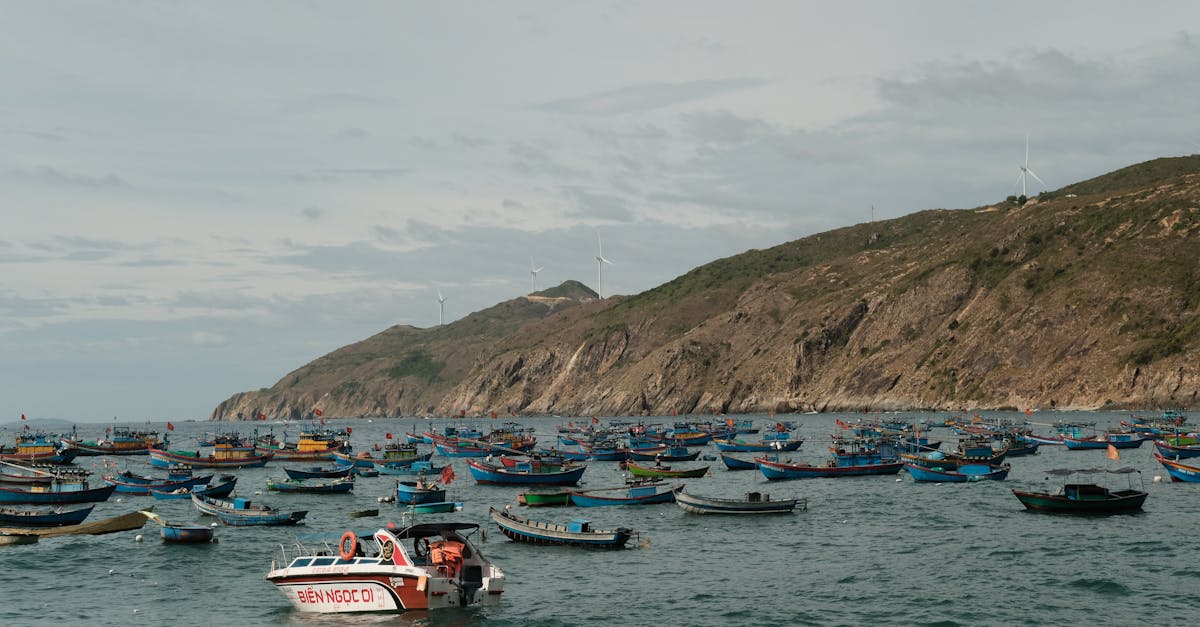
(200, 197)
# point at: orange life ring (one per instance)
(344, 552)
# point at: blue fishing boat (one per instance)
(733, 463)
(764, 446)
(639, 494)
(1171, 451)
(1104, 440)
(419, 491)
(435, 508)
(181, 533)
(242, 513)
(413, 470)
(223, 488)
(142, 488)
(56, 493)
(523, 474)
(665, 452)
(318, 472)
(1178, 470)
(962, 474)
(305, 486)
(578, 532)
(221, 457)
(41, 448)
(13, 517)
(776, 470)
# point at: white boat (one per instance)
(421, 567)
(754, 503)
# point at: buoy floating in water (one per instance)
(1157, 478)
(138, 538)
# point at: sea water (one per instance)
(869, 550)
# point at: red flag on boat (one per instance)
(842, 423)
(262, 416)
(729, 421)
(447, 474)
(387, 436)
(318, 412)
(349, 430)
(493, 414)
(23, 417)
(1113, 453)
(780, 427)
(595, 420)
(170, 427)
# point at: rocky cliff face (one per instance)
(1086, 298)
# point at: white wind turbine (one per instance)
(600, 261)
(441, 308)
(1025, 170)
(533, 270)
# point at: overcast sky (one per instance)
(201, 196)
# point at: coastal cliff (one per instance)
(1082, 298)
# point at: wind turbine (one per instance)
(533, 270)
(441, 308)
(600, 261)
(1025, 170)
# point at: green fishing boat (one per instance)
(657, 471)
(544, 499)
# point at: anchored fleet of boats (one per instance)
(435, 565)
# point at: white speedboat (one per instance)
(421, 567)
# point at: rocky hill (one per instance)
(1082, 298)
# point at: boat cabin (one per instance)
(1083, 492)
(579, 525)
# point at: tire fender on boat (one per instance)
(347, 552)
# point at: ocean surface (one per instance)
(869, 550)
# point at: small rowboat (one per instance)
(577, 532)
(7, 538)
(181, 533)
(644, 494)
(665, 471)
(419, 491)
(964, 474)
(733, 463)
(363, 513)
(544, 499)
(435, 508)
(754, 503)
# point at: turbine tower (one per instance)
(600, 261)
(533, 270)
(1026, 171)
(441, 308)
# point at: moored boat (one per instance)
(1084, 498)
(1103, 441)
(439, 568)
(56, 493)
(1179, 471)
(658, 471)
(753, 503)
(307, 486)
(733, 463)
(8, 538)
(527, 475)
(962, 474)
(776, 470)
(545, 499)
(14, 517)
(181, 533)
(318, 472)
(223, 488)
(231, 457)
(1177, 452)
(577, 532)
(639, 494)
(242, 513)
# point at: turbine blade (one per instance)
(604, 260)
(1036, 177)
(537, 270)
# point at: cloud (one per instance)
(208, 339)
(352, 133)
(54, 177)
(312, 213)
(330, 175)
(339, 102)
(647, 97)
(595, 205)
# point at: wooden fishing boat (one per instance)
(57, 493)
(640, 494)
(229, 457)
(1084, 498)
(318, 472)
(545, 499)
(142, 488)
(11, 539)
(663, 453)
(242, 513)
(181, 533)
(13, 517)
(394, 454)
(435, 508)
(962, 474)
(665, 471)
(423, 567)
(733, 463)
(1171, 451)
(419, 491)
(215, 490)
(1103, 441)
(577, 532)
(118, 441)
(303, 486)
(124, 522)
(776, 470)
(363, 513)
(491, 474)
(313, 445)
(40, 448)
(1179, 471)
(753, 503)
(412, 470)
(764, 446)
